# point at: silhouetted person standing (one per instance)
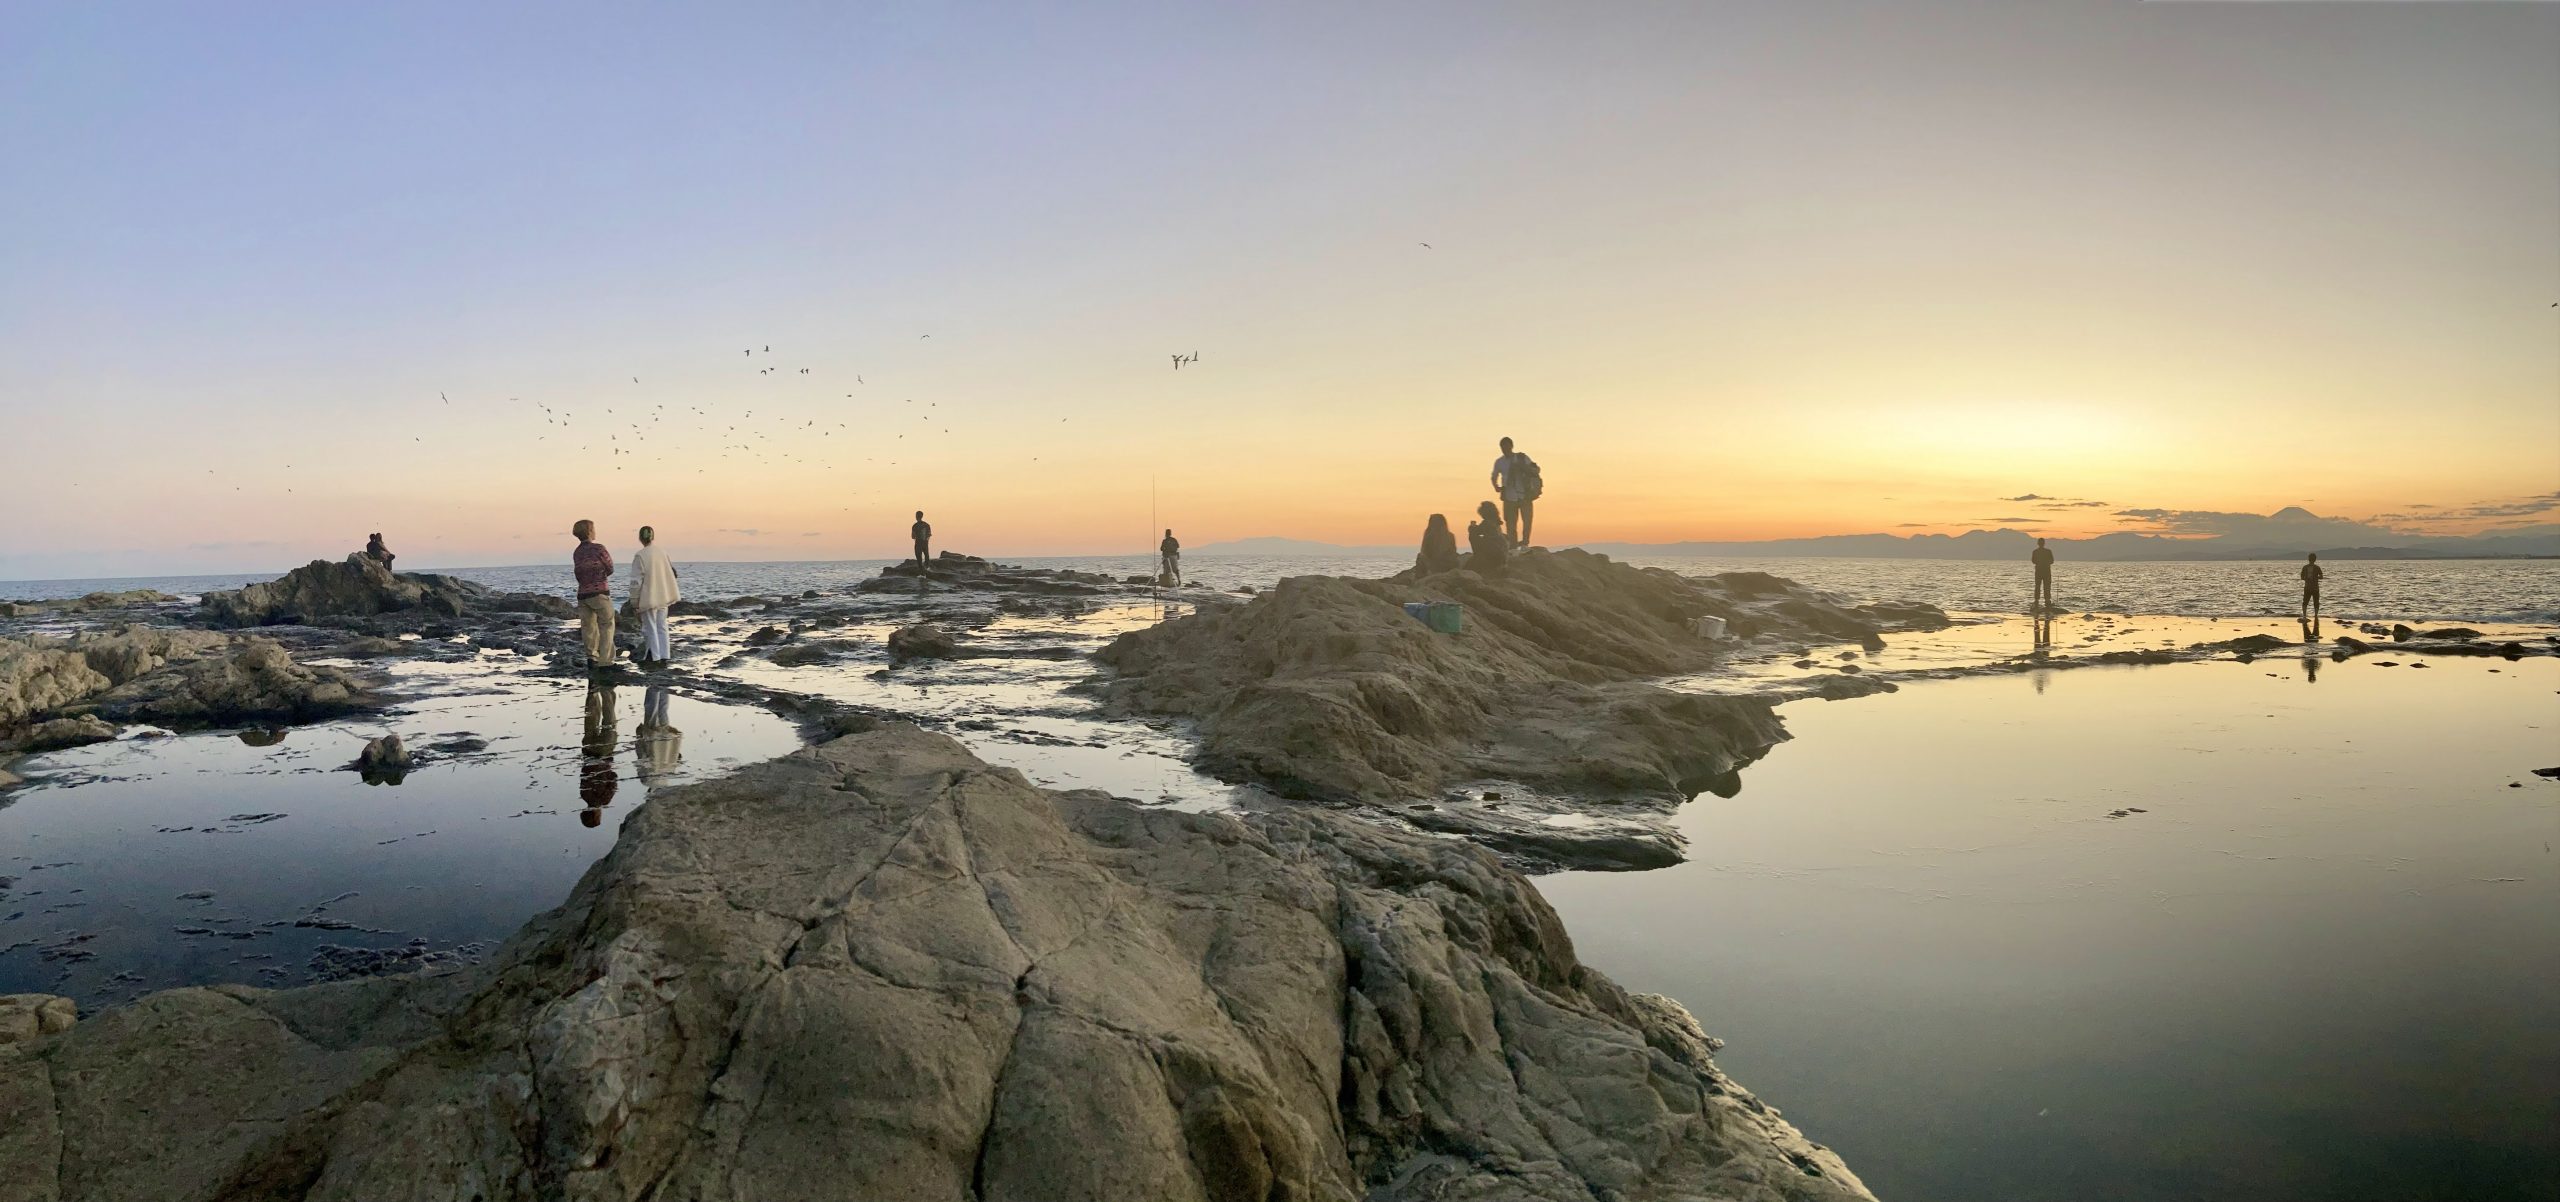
(594, 566)
(1439, 548)
(2311, 574)
(1169, 571)
(922, 532)
(1516, 481)
(2043, 559)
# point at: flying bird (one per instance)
(1426, 246)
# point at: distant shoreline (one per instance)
(1614, 550)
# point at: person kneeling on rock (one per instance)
(1491, 547)
(378, 552)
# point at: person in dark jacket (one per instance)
(1490, 546)
(1439, 548)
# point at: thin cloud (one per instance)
(2038, 521)
(2028, 496)
(750, 532)
(2073, 505)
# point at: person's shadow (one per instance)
(596, 777)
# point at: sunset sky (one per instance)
(1727, 270)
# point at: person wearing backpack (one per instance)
(1515, 479)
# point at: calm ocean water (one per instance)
(2475, 590)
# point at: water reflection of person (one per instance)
(2310, 669)
(659, 749)
(596, 779)
(2044, 634)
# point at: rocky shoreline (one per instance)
(880, 968)
(1325, 689)
(883, 952)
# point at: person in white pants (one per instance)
(653, 589)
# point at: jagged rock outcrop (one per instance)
(924, 640)
(1325, 688)
(356, 586)
(970, 572)
(251, 679)
(881, 969)
(41, 675)
(360, 587)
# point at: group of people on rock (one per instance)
(2042, 560)
(1496, 534)
(653, 588)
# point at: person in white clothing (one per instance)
(653, 589)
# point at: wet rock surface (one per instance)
(880, 968)
(924, 640)
(139, 598)
(1326, 689)
(358, 587)
(162, 674)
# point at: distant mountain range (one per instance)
(2016, 544)
(2286, 534)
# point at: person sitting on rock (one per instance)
(1439, 548)
(377, 552)
(1169, 571)
(1490, 546)
(653, 589)
(922, 532)
(594, 566)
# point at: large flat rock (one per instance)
(882, 969)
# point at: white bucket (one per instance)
(1707, 628)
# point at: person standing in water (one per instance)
(2043, 559)
(1516, 481)
(1169, 571)
(2311, 575)
(594, 566)
(653, 589)
(922, 532)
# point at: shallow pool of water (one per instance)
(2212, 930)
(256, 857)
